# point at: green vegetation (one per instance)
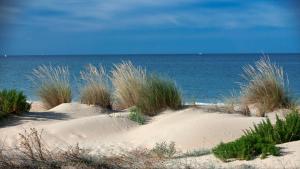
(261, 140)
(158, 94)
(13, 101)
(136, 116)
(267, 85)
(127, 81)
(52, 84)
(95, 91)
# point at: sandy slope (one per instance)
(92, 127)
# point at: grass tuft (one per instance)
(127, 81)
(158, 94)
(95, 91)
(267, 85)
(13, 101)
(52, 84)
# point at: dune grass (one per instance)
(95, 90)
(267, 85)
(127, 81)
(157, 95)
(52, 85)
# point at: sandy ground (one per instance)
(110, 132)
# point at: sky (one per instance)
(148, 26)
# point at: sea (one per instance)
(202, 78)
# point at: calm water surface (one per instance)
(204, 78)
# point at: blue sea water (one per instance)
(202, 78)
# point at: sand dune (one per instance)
(106, 132)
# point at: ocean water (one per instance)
(205, 78)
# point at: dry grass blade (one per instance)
(95, 91)
(52, 84)
(267, 85)
(127, 81)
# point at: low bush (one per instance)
(158, 94)
(95, 90)
(164, 150)
(52, 84)
(13, 101)
(261, 140)
(266, 84)
(127, 81)
(136, 116)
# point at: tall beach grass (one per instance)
(95, 90)
(127, 81)
(266, 85)
(52, 85)
(158, 94)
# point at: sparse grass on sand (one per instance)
(158, 94)
(127, 81)
(95, 90)
(33, 152)
(266, 85)
(52, 84)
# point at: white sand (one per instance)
(92, 127)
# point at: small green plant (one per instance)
(13, 101)
(136, 116)
(261, 139)
(52, 84)
(158, 94)
(95, 90)
(164, 150)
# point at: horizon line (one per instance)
(116, 54)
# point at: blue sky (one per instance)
(148, 26)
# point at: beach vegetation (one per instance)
(95, 90)
(164, 149)
(52, 85)
(136, 116)
(13, 102)
(265, 84)
(127, 81)
(33, 152)
(261, 139)
(157, 95)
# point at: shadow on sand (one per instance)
(32, 116)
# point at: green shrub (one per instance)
(261, 139)
(245, 148)
(52, 84)
(13, 101)
(136, 116)
(267, 85)
(158, 94)
(95, 90)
